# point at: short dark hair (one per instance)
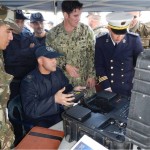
(69, 6)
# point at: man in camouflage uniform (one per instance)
(76, 41)
(94, 21)
(143, 29)
(6, 25)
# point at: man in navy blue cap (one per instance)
(37, 24)
(20, 20)
(116, 54)
(43, 90)
(36, 17)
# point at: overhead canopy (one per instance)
(89, 5)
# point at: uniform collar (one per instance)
(123, 40)
(112, 40)
(74, 30)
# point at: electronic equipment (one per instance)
(78, 95)
(103, 102)
(106, 125)
(83, 113)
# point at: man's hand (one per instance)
(79, 88)
(90, 82)
(64, 99)
(31, 45)
(72, 71)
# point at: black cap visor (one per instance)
(119, 32)
(21, 17)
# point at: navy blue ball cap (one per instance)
(47, 51)
(36, 17)
(20, 15)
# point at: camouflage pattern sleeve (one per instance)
(6, 135)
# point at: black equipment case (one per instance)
(106, 125)
(138, 128)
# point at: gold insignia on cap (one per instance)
(118, 28)
(119, 20)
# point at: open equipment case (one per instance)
(103, 117)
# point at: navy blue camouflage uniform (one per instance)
(37, 95)
(115, 65)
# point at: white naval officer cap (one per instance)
(119, 21)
